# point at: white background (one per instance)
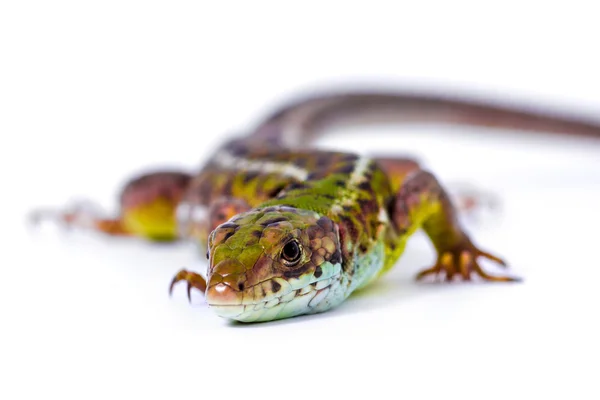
(92, 92)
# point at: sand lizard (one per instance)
(291, 229)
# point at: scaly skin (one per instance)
(337, 218)
(291, 230)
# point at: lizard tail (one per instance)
(295, 124)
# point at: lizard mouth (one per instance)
(305, 300)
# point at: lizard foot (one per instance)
(78, 213)
(471, 201)
(81, 214)
(193, 280)
(462, 262)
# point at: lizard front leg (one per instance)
(467, 199)
(422, 202)
(196, 225)
(196, 220)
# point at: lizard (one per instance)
(290, 229)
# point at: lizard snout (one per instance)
(221, 294)
(225, 285)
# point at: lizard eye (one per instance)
(291, 253)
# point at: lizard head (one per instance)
(272, 263)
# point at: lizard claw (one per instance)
(80, 213)
(193, 280)
(473, 203)
(462, 262)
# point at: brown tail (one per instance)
(294, 124)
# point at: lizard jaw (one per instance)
(309, 299)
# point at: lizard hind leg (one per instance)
(82, 214)
(422, 202)
(147, 209)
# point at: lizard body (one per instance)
(294, 230)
